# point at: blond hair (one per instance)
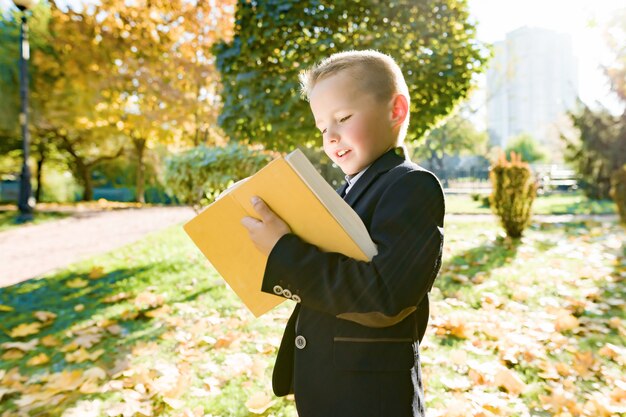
(377, 73)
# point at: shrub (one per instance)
(618, 192)
(514, 191)
(197, 176)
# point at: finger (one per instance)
(249, 222)
(261, 208)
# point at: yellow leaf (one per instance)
(96, 272)
(23, 346)
(259, 402)
(95, 373)
(115, 298)
(44, 316)
(77, 283)
(25, 329)
(50, 341)
(79, 307)
(510, 381)
(12, 354)
(6, 308)
(87, 340)
(38, 360)
(159, 312)
(565, 321)
(147, 299)
(82, 355)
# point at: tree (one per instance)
(456, 136)
(433, 42)
(600, 149)
(10, 134)
(526, 147)
(163, 86)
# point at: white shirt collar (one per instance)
(352, 179)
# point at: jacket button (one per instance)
(300, 342)
(278, 290)
(287, 293)
(296, 298)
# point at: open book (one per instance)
(295, 191)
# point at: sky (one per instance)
(582, 19)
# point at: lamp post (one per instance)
(24, 201)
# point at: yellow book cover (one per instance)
(297, 193)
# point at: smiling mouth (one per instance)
(342, 152)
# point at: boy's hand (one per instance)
(267, 231)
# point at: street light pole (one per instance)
(24, 201)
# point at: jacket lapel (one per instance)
(390, 159)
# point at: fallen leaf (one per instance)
(44, 316)
(12, 354)
(38, 360)
(259, 402)
(96, 272)
(77, 283)
(148, 299)
(25, 329)
(82, 355)
(510, 381)
(6, 308)
(50, 341)
(565, 321)
(23, 346)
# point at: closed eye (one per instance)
(345, 118)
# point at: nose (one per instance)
(332, 135)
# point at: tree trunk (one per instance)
(140, 148)
(40, 161)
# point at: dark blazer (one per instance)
(351, 346)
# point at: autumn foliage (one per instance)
(514, 191)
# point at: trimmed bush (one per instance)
(514, 191)
(197, 176)
(618, 192)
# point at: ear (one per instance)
(399, 110)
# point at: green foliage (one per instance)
(197, 176)
(618, 191)
(456, 136)
(599, 151)
(432, 41)
(514, 191)
(527, 147)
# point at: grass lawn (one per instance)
(557, 203)
(535, 327)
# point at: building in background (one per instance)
(531, 82)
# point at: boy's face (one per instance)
(356, 129)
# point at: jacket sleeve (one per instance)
(407, 227)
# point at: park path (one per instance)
(33, 250)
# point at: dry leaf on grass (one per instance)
(44, 316)
(77, 283)
(259, 402)
(96, 272)
(510, 381)
(23, 346)
(565, 321)
(25, 329)
(12, 354)
(38, 360)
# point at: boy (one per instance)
(351, 346)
